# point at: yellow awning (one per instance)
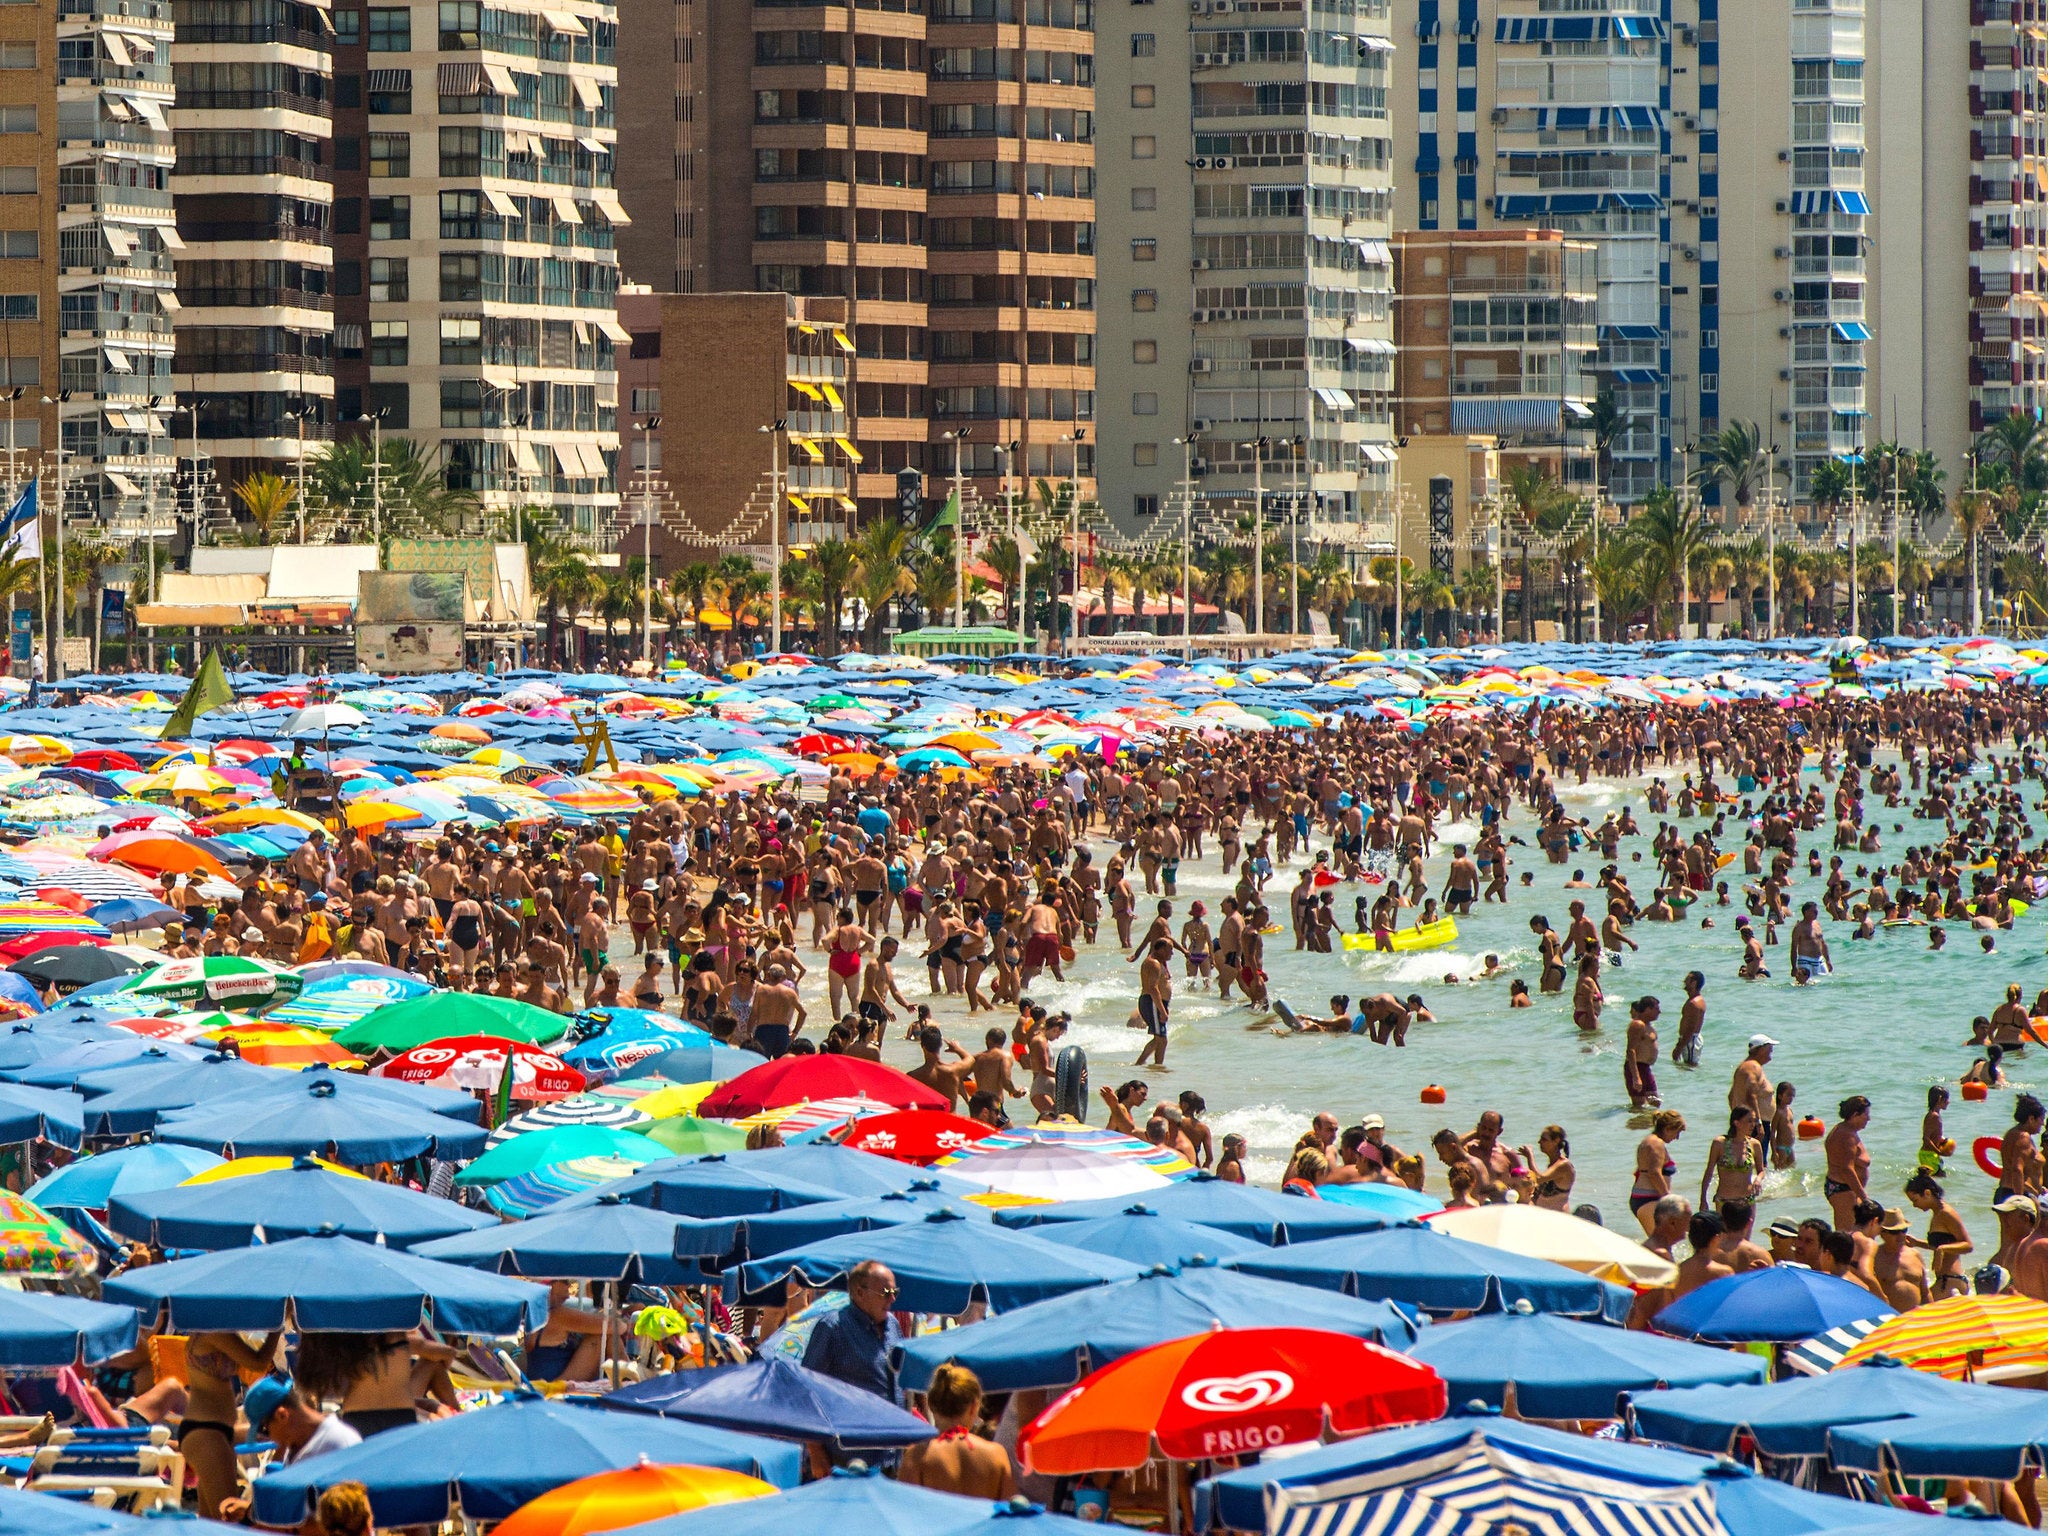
(849, 503)
(844, 344)
(809, 391)
(799, 503)
(851, 452)
(832, 395)
(817, 453)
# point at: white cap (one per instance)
(1757, 1040)
(1372, 1123)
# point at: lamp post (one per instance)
(12, 395)
(775, 429)
(647, 428)
(57, 652)
(1187, 511)
(298, 416)
(1297, 448)
(1258, 536)
(1076, 437)
(1009, 452)
(958, 436)
(376, 421)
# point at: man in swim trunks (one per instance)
(1810, 956)
(1155, 999)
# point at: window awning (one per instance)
(151, 111)
(118, 109)
(566, 22)
(499, 379)
(565, 457)
(1336, 399)
(1577, 410)
(1563, 29)
(1630, 332)
(849, 450)
(844, 344)
(524, 459)
(119, 360)
(832, 397)
(817, 454)
(1427, 163)
(1637, 376)
(618, 333)
(172, 240)
(1536, 206)
(502, 83)
(589, 94)
(385, 80)
(120, 241)
(1823, 202)
(123, 484)
(1377, 453)
(1851, 330)
(501, 204)
(169, 301)
(1851, 202)
(593, 460)
(460, 80)
(593, 145)
(799, 503)
(1597, 117)
(1376, 252)
(1373, 344)
(565, 210)
(613, 210)
(1504, 413)
(117, 49)
(807, 390)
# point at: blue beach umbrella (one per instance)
(47, 1114)
(42, 1330)
(1055, 1343)
(706, 1063)
(290, 1202)
(857, 1501)
(89, 1183)
(1998, 1445)
(331, 1284)
(1395, 1202)
(315, 1119)
(1750, 1504)
(25, 1044)
(40, 1514)
(942, 1264)
(1793, 1417)
(1434, 1272)
(1143, 1237)
(133, 1098)
(1562, 1369)
(485, 1464)
(19, 989)
(710, 1186)
(1779, 1304)
(450, 1103)
(80, 1063)
(1259, 1214)
(606, 1240)
(773, 1396)
(800, 1226)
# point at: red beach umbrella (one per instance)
(800, 1079)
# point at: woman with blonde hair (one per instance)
(344, 1510)
(958, 1460)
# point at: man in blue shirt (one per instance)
(854, 1343)
(874, 820)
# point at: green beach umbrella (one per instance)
(226, 981)
(445, 1015)
(561, 1144)
(687, 1136)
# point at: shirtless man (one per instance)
(1847, 1182)
(943, 1077)
(1042, 941)
(777, 1015)
(1751, 1088)
(1692, 1017)
(1810, 956)
(1386, 1019)
(2019, 1153)
(1461, 885)
(1900, 1271)
(878, 985)
(1155, 1000)
(992, 1067)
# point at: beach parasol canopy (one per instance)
(799, 1226)
(774, 1396)
(718, 1185)
(1781, 1304)
(1055, 1343)
(1561, 1369)
(40, 1514)
(309, 1117)
(1066, 1133)
(559, 1144)
(912, 1135)
(71, 966)
(33, 1242)
(89, 1183)
(39, 1330)
(798, 1079)
(477, 1062)
(2000, 1444)
(699, 1062)
(859, 1501)
(687, 1136)
(1051, 1171)
(609, 1501)
(133, 1096)
(41, 1114)
(942, 1264)
(327, 1284)
(1413, 1265)
(1537, 1233)
(1963, 1337)
(1262, 1215)
(228, 981)
(451, 1015)
(1793, 1417)
(335, 1004)
(484, 1465)
(1143, 1237)
(293, 1202)
(319, 719)
(606, 1240)
(18, 918)
(1227, 1392)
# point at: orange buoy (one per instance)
(1433, 1095)
(1812, 1128)
(1976, 1093)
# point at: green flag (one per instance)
(209, 691)
(949, 515)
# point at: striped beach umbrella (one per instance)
(332, 1008)
(1962, 1338)
(528, 1194)
(581, 1109)
(33, 1242)
(25, 917)
(95, 882)
(1161, 1160)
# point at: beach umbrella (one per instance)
(89, 1183)
(608, 1501)
(1792, 1417)
(18, 918)
(478, 1062)
(334, 1005)
(800, 1226)
(249, 1167)
(1779, 1304)
(1537, 1233)
(717, 1185)
(798, 1079)
(132, 914)
(774, 1396)
(1263, 1215)
(1389, 1202)
(39, 1330)
(842, 1170)
(687, 1136)
(1227, 1392)
(859, 1501)
(306, 1117)
(706, 1062)
(1562, 1369)
(328, 1283)
(559, 1144)
(584, 1109)
(334, 973)
(1411, 1264)
(41, 1514)
(609, 1046)
(1050, 1171)
(229, 981)
(1999, 1445)
(320, 719)
(606, 1240)
(1088, 1138)
(448, 1016)
(162, 853)
(33, 1242)
(133, 1096)
(1963, 1337)
(68, 967)
(287, 1047)
(56, 1053)
(1143, 1237)
(41, 1114)
(483, 1465)
(942, 1263)
(449, 1103)
(528, 1194)
(293, 1202)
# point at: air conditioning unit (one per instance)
(1784, 333)
(1200, 365)
(1221, 162)
(1201, 264)
(1344, 162)
(1201, 162)
(1783, 206)
(1500, 114)
(1201, 317)
(1780, 296)
(1689, 252)
(1781, 252)
(1689, 124)
(1784, 416)
(1784, 156)
(1785, 374)
(1200, 424)
(1198, 466)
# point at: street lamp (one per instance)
(1076, 437)
(298, 415)
(775, 429)
(958, 436)
(1009, 452)
(376, 421)
(57, 658)
(1187, 513)
(647, 429)
(1297, 448)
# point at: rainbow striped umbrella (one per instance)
(1962, 1338)
(20, 917)
(33, 1242)
(335, 1008)
(526, 1194)
(791, 1119)
(1161, 1160)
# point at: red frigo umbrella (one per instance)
(800, 1079)
(478, 1062)
(913, 1135)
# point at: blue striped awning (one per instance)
(1630, 332)
(1536, 205)
(1504, 413)
(1823, 202)
(1600, 117)
(1427, 163)
(1851, 330)
(1637, 376)
(1851, 202)
(1580, 29)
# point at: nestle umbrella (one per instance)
(1409, 1263)
(43, 1330)
(89, 1183)
(799, 1079)
(1262, 1215)
(485, 1464)
(1055, 1343)
(314, 1119)
(1562, 1369)
(292, 1202)
(942, 1264)
(447, 1015)
(327, 1284)
(1777, 1305)
(606, 1240)
(774, 1396)
(41, 1114)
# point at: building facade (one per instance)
(929, 165)
(1246, 183)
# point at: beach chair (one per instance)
(140, 1468)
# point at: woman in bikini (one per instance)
(1655, 1167)
(1735, 1161)
(378, 1378)
(1554, 1186)
(569, 1346)
(206, 1436)
(958, 1460)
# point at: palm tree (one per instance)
(1226, 574)
(691, 584)
(1002, 556)
(883, 548)
(1914, 575)
(1113, 573)
(566, 583)
(1622, 578)
(931, 577)
(1331, 585)
(1670, 531)
(1976, 514)
(1832, 482)
(831, 566)
(1734, 458)
(1476, 591)
(1710, 568)
(1540, 505)
(1826, 568)
(1431, 592)
(1157, 575)
(1794, 578)
(86, 558)
(1607, 423)
(267, 498)
(1747, 567)
(2020, 443)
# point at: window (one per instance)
(391, 30)
(390, 342)
(1144, 95)
(1144, 351)
(462, 276)
(19, 245)
(1144, 506)
(348, 92)
(390, 154)
(17, 306)
(1144, 250)
(348, 28)
(462, 342)
(1710, 383)
(646, 401)
(17, 180)
(1144, 45)
(462, 403)
(1144, 455)
(1144, 199)
(1144, 300)
(17, 119)
(390, 218)
(461, 25)
(1144, 147)
(348, 215)
(1144, 404)
(390, 404)
(391, 92)
(17, 55)
(390, 280)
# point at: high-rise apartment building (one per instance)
(476, 234)
(932, 165)
(2008, 219)
(253, 192)
(85, 243)
(1246, 173)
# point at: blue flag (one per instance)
(22, 512)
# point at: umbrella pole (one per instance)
(612, 1331)
(1172, 1494)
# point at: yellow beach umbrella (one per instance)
(242, 1167)
(1963, 1338)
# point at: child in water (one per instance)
(1784, 1134)
(1934, 1142)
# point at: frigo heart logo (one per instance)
(1237, 1394)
